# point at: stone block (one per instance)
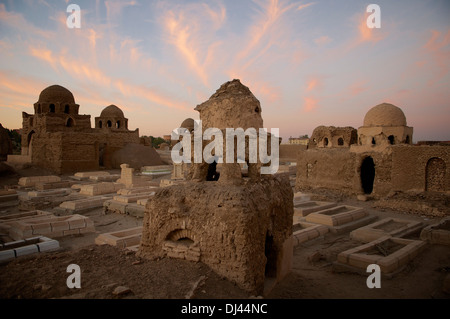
(7, 255)
(77, 222)
(26, 250)
(41, 229)
(59, 226)
(48, 245)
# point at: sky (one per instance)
(308, 63)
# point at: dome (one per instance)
(188, 123)
(385, 114)
(112, 111)
(56, 93)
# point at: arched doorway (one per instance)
(435, 175)
(70, 122)
(340, 141)
(367, 175)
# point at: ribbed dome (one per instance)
(385, 114)
(188, 123)
(56, 94)
(112, 111)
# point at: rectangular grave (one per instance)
(393, 227)
(100, 188)
(336, 216)
(122, 238)
(24, 215)
(390, 253)
(85, 203)
(51, 226)
(133, 198)
(304, 208)
(32, 180)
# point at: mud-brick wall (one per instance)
(229, 224)
(114, 140)
(409, 166)
(289, 152)
(79, 152)
(327, 168)
(382, 183)
(46, 151)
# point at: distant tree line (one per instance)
(156, 141)
(16, 141)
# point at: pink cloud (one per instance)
(17, 21)
(357, 88)
(322, 40)
(191, 30)
(83, 72)
(310, 104)
(367, 34)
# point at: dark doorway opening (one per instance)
(67, 109)
(391, 139)
(101, 153)
(325, 141)
(271, 256)
(70, 122)
(212, 175)
(52, 108)
(340, 141)
(367, 175)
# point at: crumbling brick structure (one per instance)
(382, 160)
(60, 139)
(240, 227)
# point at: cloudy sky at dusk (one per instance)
(309, 63)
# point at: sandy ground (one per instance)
(104, 268)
